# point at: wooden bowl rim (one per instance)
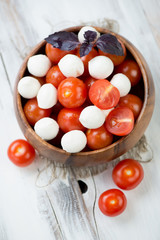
(136, 56)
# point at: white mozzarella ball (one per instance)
(28, 87)
(74, 141)
(92, 117)
(122, 83)
(85, 29)
(106, 112)
(71, 66)
(38, 65)
(47, 96)
(47, 128)
(100, 67)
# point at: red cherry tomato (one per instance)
(21, 153)
(131, 69)
(133, 102)
(89, 81)
(103, 94)
(120, 121)
(68, 119)
(72, 92)
(128, 174)
(55, 54)
(85, 59)
(98, 138)
(41, 80)
(115, 59)
(54, 76)
(34, 113)
(112, 202)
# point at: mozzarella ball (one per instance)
(28, 87)
(100, 67)
(85, 29)
(38, 65)
(122, 83)
(71, 66)
(47, 96)
(106, 112)
(92, 117)
(46, 128)
(74, 141)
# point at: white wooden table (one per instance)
(32, 208)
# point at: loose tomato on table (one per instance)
(54, 76)
(120, 121)
(34, 113)
(68, 119)
(72, 92)
(128, 174)
(55, 54)
(112, 202)
(85, 59)
(133, 102)
(115, 59)
(103, 94)
(21, 153)
(98, 138)
(131, 69)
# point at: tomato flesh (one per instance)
(72, 92)
(128, 174)
(34, 113)
(68, 119)
(98, 138)
(21, 153)
(103, 94)
(120, 121)
(54, 76)
(112, 202)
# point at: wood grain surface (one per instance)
(43, 201)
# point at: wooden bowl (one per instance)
(90, 158)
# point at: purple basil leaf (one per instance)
(63, 40)
(90, 36)
(109, 44)
(85, 48)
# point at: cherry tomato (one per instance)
(89, 81)
(128, 174)
(85, 59)
(120, 121)
(115, 59)
(72, 92)
(55, 54)
(34, 113)
(98, 138)
(21, 153)
(131, 69)
(68, 119)
(133, 102)
(56, 108)
(54, 76)
(103, 94)
(41, 80)
(112, 202)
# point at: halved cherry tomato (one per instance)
(128, 174)
(120, 121)
(131, 69)
(21, 153)
(72, 92)
(112, 202)
(85, 59)
(103, 94)
(54, 76)
(68, 119)
(34, 113)
(55, 54)
(115, 59)
(98, 138)
(133, 102)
